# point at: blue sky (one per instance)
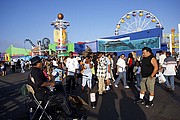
(89, 19)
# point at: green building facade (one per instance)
(14, 51)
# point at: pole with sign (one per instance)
(60, 25)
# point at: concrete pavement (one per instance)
(116, 104)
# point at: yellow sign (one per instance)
(175, 46)
(64, 36)
(56, 36)
(7, 57)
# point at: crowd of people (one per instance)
(102, 68)
(18, 65)
(105, 69)
(108, 69)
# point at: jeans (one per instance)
(121, 74)
(70, 83)
(130, 74)
(138, 78)
(170, 78)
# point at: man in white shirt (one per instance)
(103, 68)
(71, 66)
(13, 67)
(162, 57)
(170, 70)
(121, 70)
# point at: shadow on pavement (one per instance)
(107, 109)
(129, 110)
(12, 102)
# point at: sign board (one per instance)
(63, 54)
(61, 47)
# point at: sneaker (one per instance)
(140, 101)
(126, 86)
(116, 86)
(149, 104)
(107, 88)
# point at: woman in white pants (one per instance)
(87, 73)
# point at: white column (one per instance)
(60, 30)
(170, 43)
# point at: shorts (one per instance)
(148, 83)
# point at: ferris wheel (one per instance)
(135, 21)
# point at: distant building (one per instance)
(15, 52)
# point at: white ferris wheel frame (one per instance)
(138, 24)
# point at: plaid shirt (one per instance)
(102, 67)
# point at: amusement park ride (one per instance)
(136, 21)
(60, 37)
(139, 20)
(41, 48)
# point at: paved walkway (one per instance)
(116, 104)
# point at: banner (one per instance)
(64, 37)
(125, 44)
(6, 57)
(56, 36)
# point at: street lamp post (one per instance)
(170, 43)
(60, 24)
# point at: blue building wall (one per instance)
(156, 32)
(94, 45)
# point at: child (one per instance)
(137, 73)
(59, 75)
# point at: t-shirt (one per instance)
(170, 66)
(122, 65)
(55, 63)
(161, 59)
(71, 65)
(87, 71)
(58, 74)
